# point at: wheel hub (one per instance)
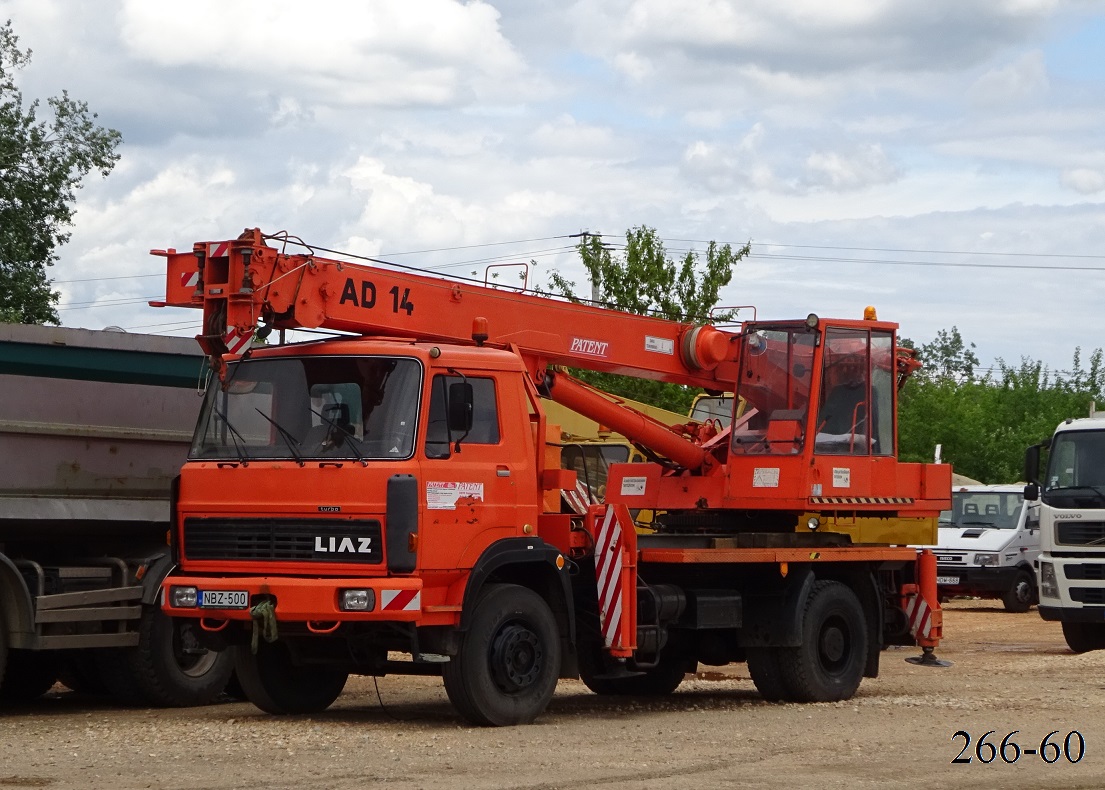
(833, 645)
(515, 658)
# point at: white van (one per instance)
(988, 543)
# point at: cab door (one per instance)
(474, 484)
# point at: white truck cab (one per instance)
(987, 545)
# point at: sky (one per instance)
(943, 161)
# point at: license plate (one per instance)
(224, 599)
(951, 580)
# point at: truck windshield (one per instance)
(309, 408)
(995, 509)
(1076, 470)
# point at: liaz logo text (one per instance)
(592, 348)
(345, 545)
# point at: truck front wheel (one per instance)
(1021, 594)
(828, 665)
(506, 669)
(763, 667)
(274, 683)
(1084, 637)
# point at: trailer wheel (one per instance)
(172, 669)
(657, 681)
(1021, 594)
(1084, 637)
(29, 675)
(273, 682)
(506, 669)
(763, 666)
(828, 665)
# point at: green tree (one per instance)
(646, 281)
(984, 424)
(42, 164)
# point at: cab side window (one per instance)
(485, 416)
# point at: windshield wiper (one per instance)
(345, 431)
(286, 435)
(243, 456)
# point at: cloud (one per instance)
(1083, 180)
(866, 166)
(1023, 79)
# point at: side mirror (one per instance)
(461, 407)
(1032, 493)
(1032, 467)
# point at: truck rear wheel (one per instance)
(1084, 637)
(172, 669)
(828, 665)
(1021, 594)
(274, 683)
(763, 666)
(29, 675)
(509, 659)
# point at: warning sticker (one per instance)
(444, 496)
(633, 486)
(842, 477)
(659, 345)
(765, 477)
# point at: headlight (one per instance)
(183, 597)
(357, 600)
(986, 559)
(1049, 585)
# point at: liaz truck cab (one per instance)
(988, 544)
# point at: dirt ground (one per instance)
(1011, 672)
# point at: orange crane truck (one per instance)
(397, 490)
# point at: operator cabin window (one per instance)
(485, 416)
(855, 416)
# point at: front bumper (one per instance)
(976, 580)
(302, 600)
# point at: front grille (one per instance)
(283, 539)
(1086, 571)
(1080, 533)
(1088, 595)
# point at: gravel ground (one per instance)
(1011, 672)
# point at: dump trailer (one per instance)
(397, 490)
(94, 426)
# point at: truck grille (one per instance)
(1080, 533)
(1085, 571)
(304, 539)
(1088, 595)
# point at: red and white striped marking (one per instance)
(578, 499)
(920, 616)
(218, 249)
(189, 279)
(400, 600)
(236, 342)
(609, 558)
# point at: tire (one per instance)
(274, 683)
(171, 668)
(657, 681)
(1021, 594)
(828, 665)
(763, 666)
(29, 675)
(1084, 637)
(506, 669)
(79, 671)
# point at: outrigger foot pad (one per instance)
(928, 659)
